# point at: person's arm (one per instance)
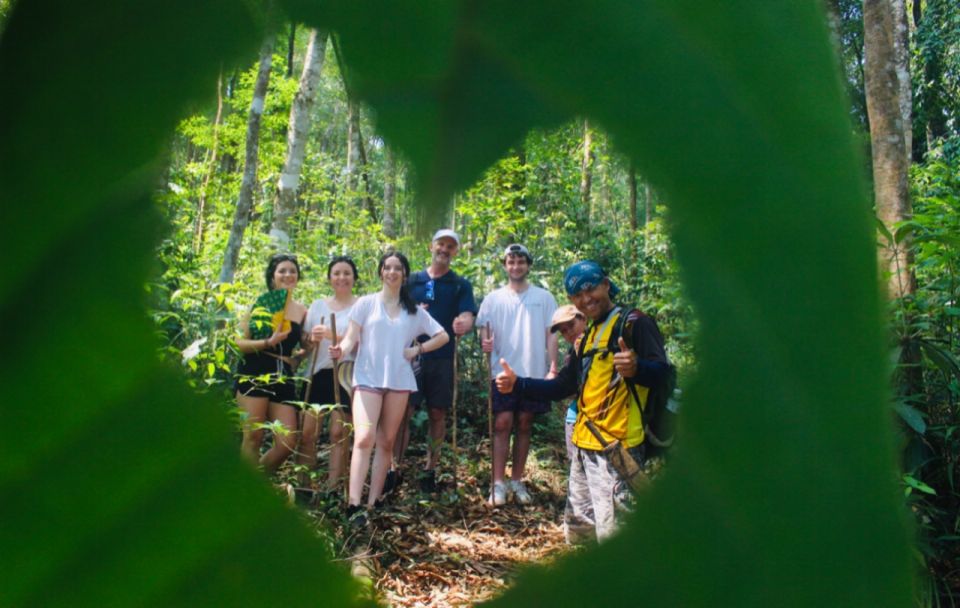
(435, 342)
(463, 322)
(645, 364)
(248, 345)
(347, 342)
(553, 349)
(565, 383)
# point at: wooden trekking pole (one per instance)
(313, 359)
(456, 381)
(336, 362)
(490, 406)
(306, 398)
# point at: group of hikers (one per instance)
(400, 343)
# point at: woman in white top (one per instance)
(342, 275)
(385, 324)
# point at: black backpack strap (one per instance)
(624, 328)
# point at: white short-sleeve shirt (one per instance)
(520, 324)
(320, 309)
(380, 362)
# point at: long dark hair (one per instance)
(406, 300)
(276, 260)
(346, 260)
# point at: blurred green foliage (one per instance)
(132, 493)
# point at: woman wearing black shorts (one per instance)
(342, 275)
(273, 356)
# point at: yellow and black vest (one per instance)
(614, 411)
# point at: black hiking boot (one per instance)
(356, 516)
(428, 482)
(393, 481)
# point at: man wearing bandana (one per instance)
(612, 386)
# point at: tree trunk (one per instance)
(358, 180)
(882, 24)
(291, 43)
(198, 227)
(586, 173)
(297, 134)
(241, 216)
(390, 194)
(632, 181)
(901, 45)
(647, 204)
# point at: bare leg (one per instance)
(256, 410)
(307, 452)
(403, 436)
(391, 415)
(366, 414)
(438, 430)
(521, 445)
(502, 427)
(339, 447)
(283, 445)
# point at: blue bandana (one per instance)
(586, 275)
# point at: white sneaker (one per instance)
(499, 496)
(520, 493)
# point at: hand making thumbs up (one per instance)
(625, 361)
(506, 379)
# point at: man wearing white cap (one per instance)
(519, 315)
(448, 298)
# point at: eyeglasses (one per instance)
(428, 293)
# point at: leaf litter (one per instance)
(448, 548)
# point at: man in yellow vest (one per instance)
(612, 380)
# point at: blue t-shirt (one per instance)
(446, 297)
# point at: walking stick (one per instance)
(336, 362)
(490, 407)
(313, 359)
(456, 381)
(306, 396)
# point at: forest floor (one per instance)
(448, 548)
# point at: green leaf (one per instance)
(912, 417)
(916, 484)
(771, 228)
(941, 357)
(732, 110)
(134, 494)
(904, 229)
(882, 228)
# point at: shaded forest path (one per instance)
(449, 548)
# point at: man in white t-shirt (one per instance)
(519, 316)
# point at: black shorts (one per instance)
(277, 392)
(434, 384)
(513, 402)
(321, 390)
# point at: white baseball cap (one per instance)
(446, 232)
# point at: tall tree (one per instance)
(198, 227)
(883, 71)
(297, 134)
(389, 194)
(241, 216)
(358, 177)
(632, 182)
(586, 172)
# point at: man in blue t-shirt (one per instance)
(448, 298)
